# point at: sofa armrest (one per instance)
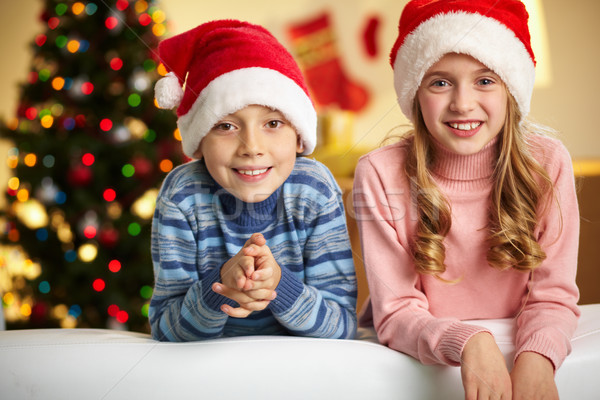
(107, 364)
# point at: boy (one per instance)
(249, 238)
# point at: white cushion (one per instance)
(109, 364)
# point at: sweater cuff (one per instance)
(454, 340)
(288, 291)
(539, 343)
(210, 298)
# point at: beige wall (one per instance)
(19, 24)
(569, 104)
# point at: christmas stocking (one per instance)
(315, 48)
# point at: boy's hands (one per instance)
(249, 278)
(240, 267)
(267, 272)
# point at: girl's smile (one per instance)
(464, 128)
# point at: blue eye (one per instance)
(486, 81)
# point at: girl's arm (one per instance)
(549, 316)
(400, 310)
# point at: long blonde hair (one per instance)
(519, 187)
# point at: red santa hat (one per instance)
(227, 65)
(494, 32)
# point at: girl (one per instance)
(473, 214)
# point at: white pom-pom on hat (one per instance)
(168, 92)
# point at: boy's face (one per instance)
(251, 152)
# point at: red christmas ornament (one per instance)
(39, 313)
(122, 4)
(44, 16)
(40, 39)
(108, 237)
(143, 167)
(22, 110)
(53, 23)
(80, 176)
(80, 120)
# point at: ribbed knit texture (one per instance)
(421, 315)
(198, 226)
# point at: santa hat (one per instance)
(494, 32)
(227, 65)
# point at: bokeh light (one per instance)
(106, 124)
(99, 285)
(109, 194)
(114, 266)
(88, 252)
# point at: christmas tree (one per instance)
(90, 152)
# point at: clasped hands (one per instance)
(249, 278)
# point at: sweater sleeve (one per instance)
(324, 304)
(400, 309)
(549, 316)
(183, 305)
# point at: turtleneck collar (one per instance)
(472, 167)
(257, 214)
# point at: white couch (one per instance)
(108, 364)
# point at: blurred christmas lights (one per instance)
(52, 174)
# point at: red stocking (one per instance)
(315, 48)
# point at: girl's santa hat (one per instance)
(494, 32)
(227, 65)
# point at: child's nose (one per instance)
(463, 99)
(251, 142)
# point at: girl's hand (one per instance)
(533, 378)
(483, 370)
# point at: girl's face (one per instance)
(251, 152)
(463, 103)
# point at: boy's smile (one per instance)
(251, 152)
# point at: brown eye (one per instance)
(274, 124)
(223, 126)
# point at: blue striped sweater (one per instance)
(198, 226)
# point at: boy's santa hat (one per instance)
(494, 32)
(227, 65)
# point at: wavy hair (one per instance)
(520, 184)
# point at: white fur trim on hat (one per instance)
(239, 88)
(485, 39)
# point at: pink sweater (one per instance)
(420, 315)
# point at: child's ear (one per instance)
(198, 153)
(299, 145)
